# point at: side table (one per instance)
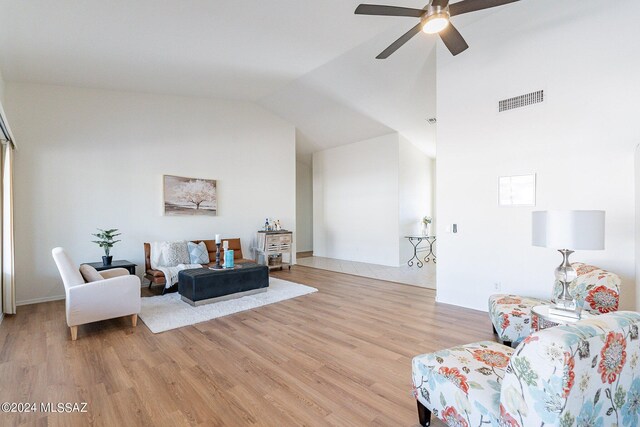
(415, 242)
(548, 320)
(274, 243)
(122, 263)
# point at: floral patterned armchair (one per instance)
(584, 374)
(596, 290)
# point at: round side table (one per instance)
(547, 320)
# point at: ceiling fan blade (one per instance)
(453, 40)
(441, 3)
(398, 43)
(466, 6)
(376, 9)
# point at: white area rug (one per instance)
(166, 312)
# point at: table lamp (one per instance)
(567, 231)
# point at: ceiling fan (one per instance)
(434, 18)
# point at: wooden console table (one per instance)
(274, 243)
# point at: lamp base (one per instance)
(565, 274)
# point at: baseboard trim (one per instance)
(304, 254)
(465, 306)
(39, 300)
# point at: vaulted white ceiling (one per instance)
(356, 96)
(228, 49)
(311, 62)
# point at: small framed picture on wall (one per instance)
(517, 190)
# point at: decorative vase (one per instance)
(425, 229)
(228, 258)
(106, 260)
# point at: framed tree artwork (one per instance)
(190, 196)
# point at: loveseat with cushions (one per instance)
(595, 289)
(156, 277)
(584, 374)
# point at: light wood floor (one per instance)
(341, 356)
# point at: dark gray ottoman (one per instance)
(203, 285)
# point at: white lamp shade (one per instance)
(575, 230)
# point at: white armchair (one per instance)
(115, 296)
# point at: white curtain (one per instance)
(7, 276)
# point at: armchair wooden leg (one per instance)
(74, 333)
(424, 415)
(134, 320)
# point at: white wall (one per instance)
(637, 235)
(580, 142)
(91, 158)
(1, 103)
(304, 207)
(355, 201)
(415, 193)
(367, 196)
(1, 89)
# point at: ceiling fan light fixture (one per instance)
(434, 18)
(435, 23)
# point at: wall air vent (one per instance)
(432, 121)
(521, 101)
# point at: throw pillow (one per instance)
(175, 253)
(90, 274)
(198, 253)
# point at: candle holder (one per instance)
(217, 266)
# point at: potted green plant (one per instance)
(106, 242)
